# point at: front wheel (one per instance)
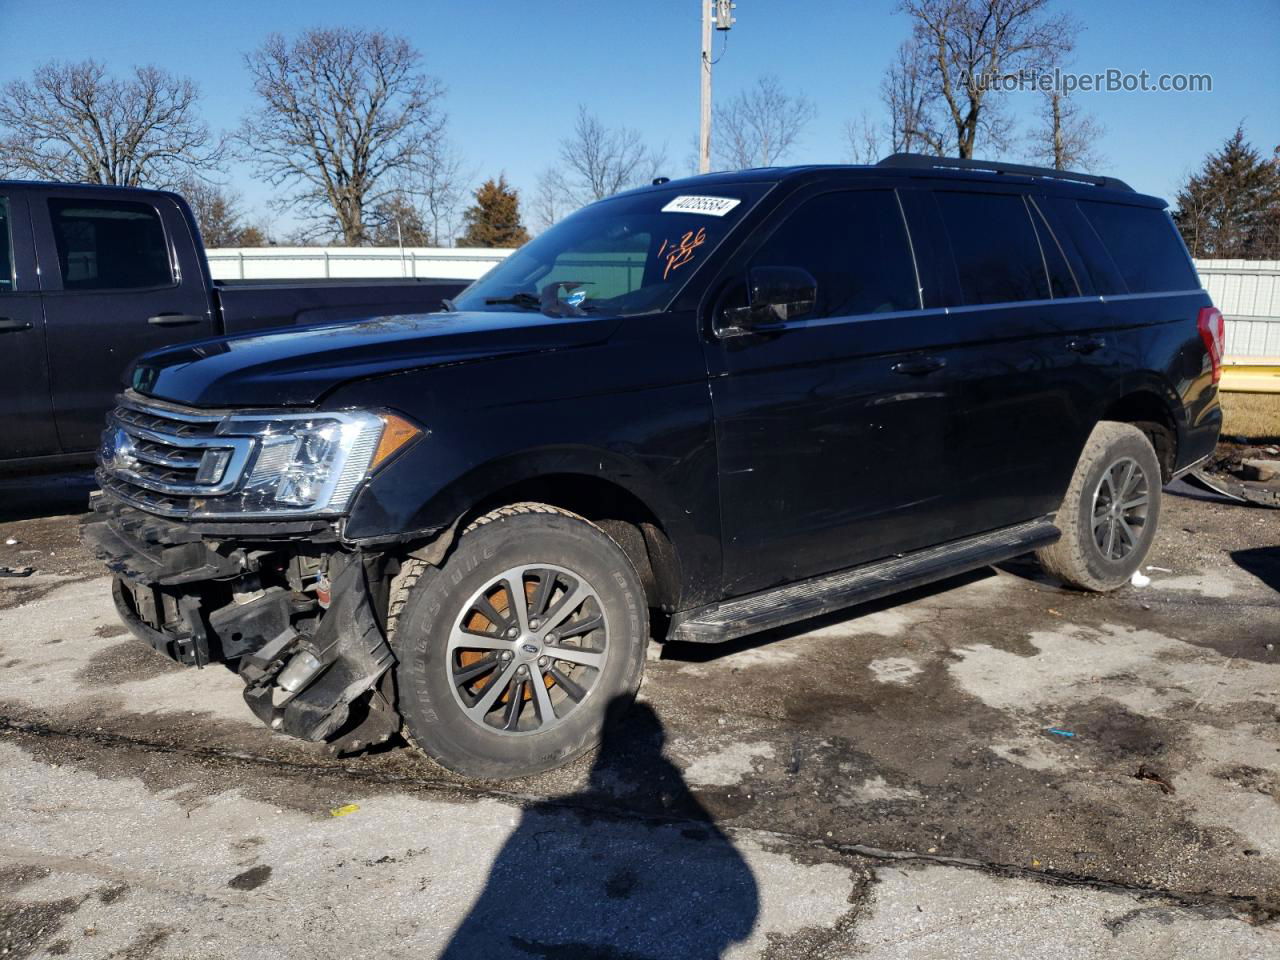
(511, 654)
(1109, 516)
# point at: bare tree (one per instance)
(595, 162)
(759, 126)
(219, 215)
(425, 205)
(864, 138)
(958, 48)
(442, 188)
(345, 116)
(910, 100)
(1067, 137)
(72, 121)
(397, 220)
(551, 199)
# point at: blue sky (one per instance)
(516, 70)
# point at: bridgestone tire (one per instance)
(426, 604)
(1077, 559)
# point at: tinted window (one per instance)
(1144, 245)
(1062, 282)
(996, 252)
(6, 248)
(1098, 272)
(855, 245)
(109, 245)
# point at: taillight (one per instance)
(1213, 333)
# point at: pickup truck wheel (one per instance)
(1109, 516)
(511, 654)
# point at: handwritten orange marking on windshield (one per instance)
(678, 254)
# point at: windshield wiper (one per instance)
(526, 300)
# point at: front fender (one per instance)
(633, 412)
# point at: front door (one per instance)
(834, 429)
(26, 413)
(121, 279)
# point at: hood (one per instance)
(297, 367)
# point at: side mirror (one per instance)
(776, 294)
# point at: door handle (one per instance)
(13, 326)
(918, 366)
(175, 319)
(1086, 345)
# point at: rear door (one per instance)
(832, 429)
(26, 413)
(1016, 324)
(121, 277)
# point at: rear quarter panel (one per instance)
(1158, 349)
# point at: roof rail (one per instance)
(920, 161)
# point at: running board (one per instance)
(835, 591)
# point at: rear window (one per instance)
(109, 245)
(1144, 244)
(995, 248)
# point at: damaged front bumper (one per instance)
(283, 604)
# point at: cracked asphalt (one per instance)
(993, 766)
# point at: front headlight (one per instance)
(306, 463)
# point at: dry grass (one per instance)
(1255, 416)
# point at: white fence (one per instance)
(1246, 291)
(314, 263)
(1248, 294)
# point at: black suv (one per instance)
(692, 411)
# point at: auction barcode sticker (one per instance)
(711, 206)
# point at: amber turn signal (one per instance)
(396, 432)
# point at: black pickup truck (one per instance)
(91, 277)
(693, 411)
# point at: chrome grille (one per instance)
(159, 457)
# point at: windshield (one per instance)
(619, 257)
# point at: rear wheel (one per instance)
(511, 653)
(1109, 516)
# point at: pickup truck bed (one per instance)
(250, 305)
(91, 277)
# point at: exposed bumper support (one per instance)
(345, 658)
(319, 674)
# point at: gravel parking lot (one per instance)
(990, 767)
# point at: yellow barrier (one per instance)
(1257, 376)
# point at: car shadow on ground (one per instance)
(1262, 562)
(30, 497)
(573, 883)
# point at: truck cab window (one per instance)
(6, 248)
(994, 245)
(855, 245)
(109, 245)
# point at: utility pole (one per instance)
(704, 126)
(719, 12)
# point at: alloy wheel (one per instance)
(1120, 504)
(527, 649)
